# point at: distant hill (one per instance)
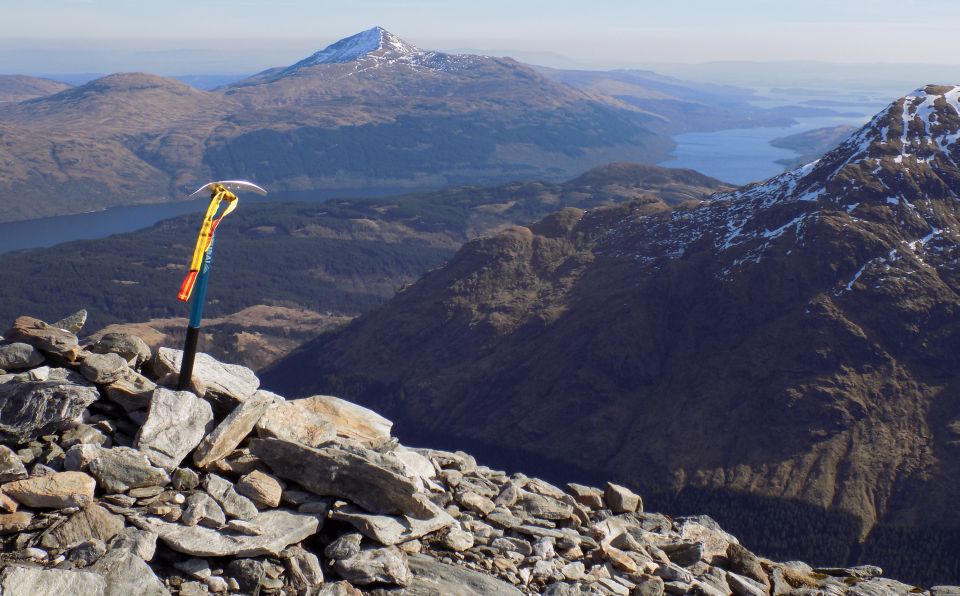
(368, 111)
(14, 88)
(787, 351)
(812, 144)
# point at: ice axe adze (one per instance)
(199, 273)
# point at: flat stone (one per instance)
(621, 499)
(386, 565)
(125, 573)
(744, 586)
(130, 347)
(233, 504)
(142, 543)
(281, 529)
(360, 476)
(457, 539)
(131, 392)
(82, 434)
(34, 408)
(55, 491)
(185, 479)
(195, 568)
(431, 576)
(296, 422)
(103, 369)
(244, 527)
(87, 553)
(344, 588)
(248, 573)
(44, 337)
(299, 417)
(202, 509)
(544, 507)
(36, 581)
(91, 523)
(706, 531)
(176, 423)
(121, 468)
(234, 429)
(17, 356)
(390, 530)
(263, 489)
(11, 467)
(13, 523)
(344, 547)
(74, 323)
(587, 496)
(224, 384)
(303, 569)
(477, 503)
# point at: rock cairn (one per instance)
(111, 483)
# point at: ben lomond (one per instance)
(794, 340)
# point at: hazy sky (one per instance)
(181, 36)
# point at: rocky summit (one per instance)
(113, 483)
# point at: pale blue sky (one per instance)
(247, 35)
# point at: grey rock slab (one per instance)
(281, 529)
(358, 475)
(263, 489)
(303, 569)
(121, 468)
(296, 422)
(430, 577)
(54, 491)
(103, 369)
(130, 347)
(202, 509)
(234, 429)
(91, 523)
(44, 337)
(621, 499)
(34, 408)
(125, 573)
(87, 553)
(390, 530)
(17, 356)
(247, 572)
(305, 421)
(744, 586)
(73, 323)
(11, 467)
(35, 581)
(386, 565)
(176, 423)
(142, 543)
(133, 391)
(224, 384)
(344, 547)
(233, 503)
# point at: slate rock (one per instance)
(55, 491)
(176, 423)
(35, 581)
(744, 586)
(429, 576)
(185, 479)
(11, 467)
(91, 523)
(202, 509)
(82, 434)
(248, 573)
(142, 543)
(132, 391)
(125, 573)
(18, 356)
(360, 476)
(44, 337)
(296, 422)
(684, 553)
(747, 564)
(87, 553)
(621, 499)
(302, 421)
(130, 347)
(303, 569)
(74, 323)
(387, 565)
(103, 369)
(13, 523)
(225, 385)
(263, 489)
(225, 494)
(121, 468)
(587, 496)
(31, 409)
(390, 530)
(234, 429)
(281, 529)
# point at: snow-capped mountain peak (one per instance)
(372, 41)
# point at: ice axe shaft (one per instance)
(193, 327)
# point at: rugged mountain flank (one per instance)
(795, 340)
(113, 483)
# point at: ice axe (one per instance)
(196, 280)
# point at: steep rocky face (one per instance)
(794, 339)
(314, 497)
